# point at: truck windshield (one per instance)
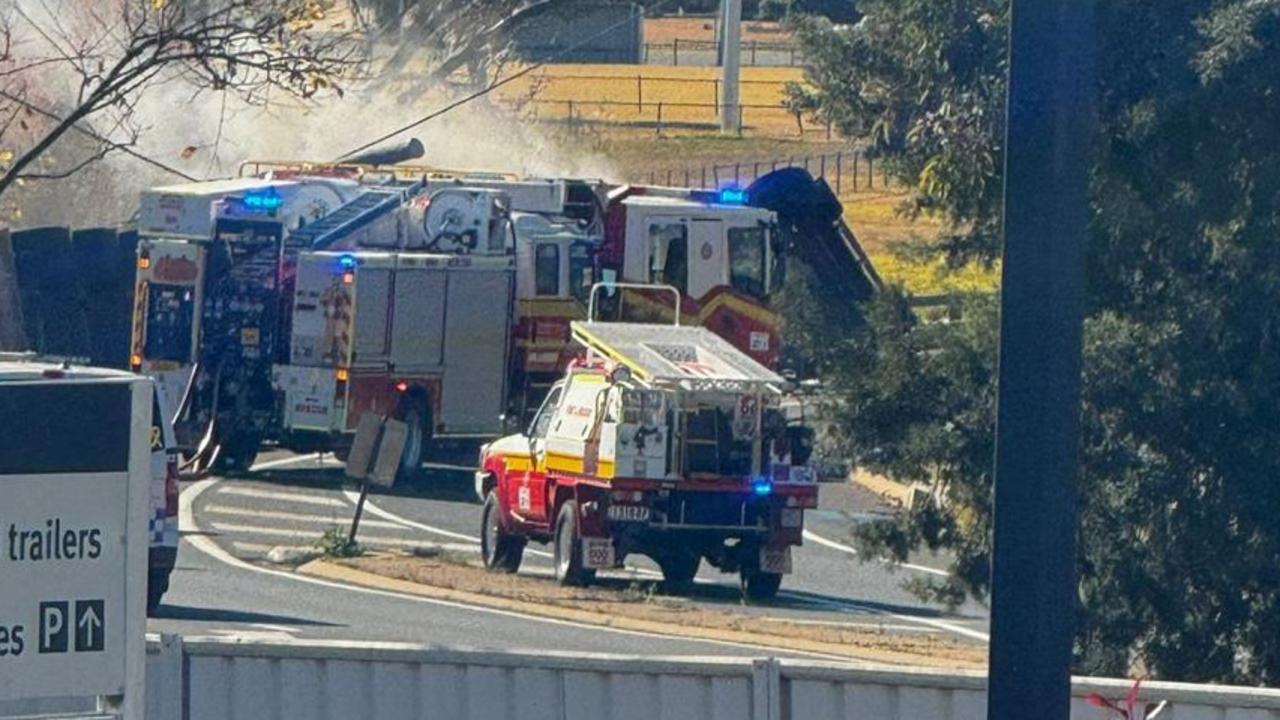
(747, 260)
(170, 314)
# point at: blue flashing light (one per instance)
(761, 486)
(265, 199)
(732, 196)
(347, 263)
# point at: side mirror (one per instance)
(510, 423)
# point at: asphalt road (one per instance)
(221, 586)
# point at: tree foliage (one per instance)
(1179, 534)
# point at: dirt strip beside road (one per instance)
(636, 606)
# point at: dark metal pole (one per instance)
(355, 521)
(1050, 115)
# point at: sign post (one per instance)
(75, 482)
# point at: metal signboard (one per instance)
(74, 498)
(394, 435)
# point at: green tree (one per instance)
(1179, 536)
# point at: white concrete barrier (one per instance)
(224, 679)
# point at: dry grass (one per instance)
(719, 610)
(652, 94)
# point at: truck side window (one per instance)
(546, 269)
(581, 273)
(747, 260)
(669, 255)
(542, 423)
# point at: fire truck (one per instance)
(283, 305)
(663, 441)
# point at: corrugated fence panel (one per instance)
(227, 680)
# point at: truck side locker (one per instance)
(477, 334)
(373, 290)
(417, 330)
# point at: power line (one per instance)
(83, 131)
(496, 84)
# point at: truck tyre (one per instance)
(568, 550)
(759, 585)
(415, 444)
(501, 551)
(679, 568)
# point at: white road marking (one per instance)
(310, 535)
(318, 457)
(211, 549)
(370, 507)
(281, 496)
(294, 517)
(275, 628)
(846, 624)
(809, 535)
(861, 609)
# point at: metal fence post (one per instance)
(740, 127)
(839, 172)
(658, 126)
(871, 172)
(856, 155)
(828, 128)
(675, 52)
(822, 166)
(715, 96)
(639, 93)
(755, 170)
(766, 689)
(704, 176)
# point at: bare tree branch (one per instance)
(246, 47)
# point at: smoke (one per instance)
(208, 135)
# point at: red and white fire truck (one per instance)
(285, 305)
(663, 441)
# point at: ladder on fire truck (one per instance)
(368, 206)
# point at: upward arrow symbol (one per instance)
(90, 622)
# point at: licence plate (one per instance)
(597, 553)
(629, 513)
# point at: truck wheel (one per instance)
(568, 551)
(760, 585)
(414, 444)
(501, 552)
(679, 568)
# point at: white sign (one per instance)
(73, 542)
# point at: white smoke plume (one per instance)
(208, 135)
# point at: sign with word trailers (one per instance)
(74, 497)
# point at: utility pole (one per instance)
(1046, 214)
(730, 63)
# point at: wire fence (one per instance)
(678, 51)
(755, 119)
(850, 170)
(707, 52)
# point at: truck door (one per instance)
(707, 263)
(669, 253)
(530, 499)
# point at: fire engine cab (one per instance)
(664, 441)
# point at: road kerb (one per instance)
(334, 571)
